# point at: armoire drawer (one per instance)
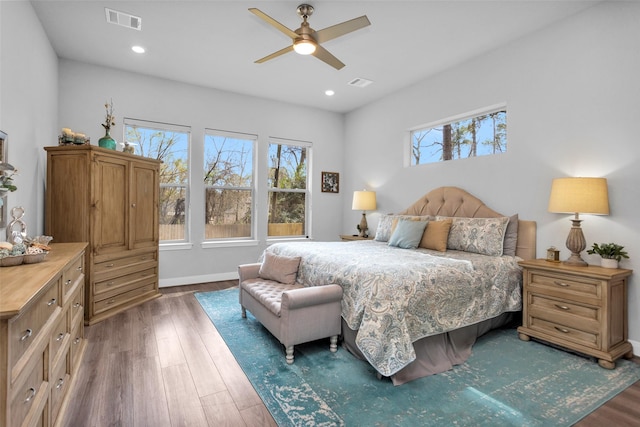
(122, 283)
(124, 265)
(123, 298)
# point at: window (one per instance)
(169, 143)
(288, 188)
(228, 184)
(477, 134)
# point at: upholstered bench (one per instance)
(293, 313)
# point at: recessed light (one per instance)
(329, 92)
(137, 49)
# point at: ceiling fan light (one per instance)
(304, 47)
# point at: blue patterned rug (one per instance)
(506, 381)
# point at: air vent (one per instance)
(360, 82)
(123, 19)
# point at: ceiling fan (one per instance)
(306, 40)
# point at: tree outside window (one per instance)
(170, 144)
(288, 188)
(480, 135)
(228, 179)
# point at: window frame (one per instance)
(185, 242)
(408, 158)
(307, 191)
(209, 242)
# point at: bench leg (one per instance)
(244, 313)
(333, 344)
(290, 354)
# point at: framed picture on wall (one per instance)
(3, 194)
(330, 182)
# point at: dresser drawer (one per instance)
(563, 309)
(70, 276)
(24, 329)
(117, 284)
(75, 311)
(59, 335)
(565, 286)
(125, 265)
(75, 350)
(29, 393)
(59, 385)
(122, 298)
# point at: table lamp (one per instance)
(578, 195)
(363, 201)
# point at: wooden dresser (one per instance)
(109, 199)
(579, 308)
(41, 335)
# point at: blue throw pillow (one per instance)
(407, 234)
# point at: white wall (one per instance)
(572, 95)
(28, 106)
(85, 88)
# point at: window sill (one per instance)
(175, 246)
(228, 243)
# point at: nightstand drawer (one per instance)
(562, 309)
(565, 286)
(565, 333)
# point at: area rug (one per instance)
(506, 381)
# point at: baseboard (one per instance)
(191, 280)
(636, 347)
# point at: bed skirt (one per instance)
(437, 353)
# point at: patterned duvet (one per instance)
(394, 296)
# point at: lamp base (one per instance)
(363, 227)
(576, 243)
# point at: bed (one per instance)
(417, 312)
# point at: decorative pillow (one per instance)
(478, 235)
(280, 268)
(511, 237)
(386, 225)
(407, 234)
(436, 235)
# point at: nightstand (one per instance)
(349, 237)
(583, 309)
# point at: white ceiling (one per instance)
(215, 43)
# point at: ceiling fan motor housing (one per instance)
(305, 11)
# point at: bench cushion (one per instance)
(268, 292)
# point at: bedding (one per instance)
(395, 296)
(417, 312)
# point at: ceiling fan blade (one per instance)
(324, 55)
(273, 22)
(338, 30)
(275, 54)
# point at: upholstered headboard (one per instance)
(454, 201)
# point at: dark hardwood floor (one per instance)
(163, 363)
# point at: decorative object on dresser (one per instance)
(6, 179)
(41, 336)
(610, 254)
(109, 199)
(583, 309)
(363, 201)
(576, 196)
(110, 120)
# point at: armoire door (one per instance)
(144, 205)
(110, 204)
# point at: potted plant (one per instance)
(610, 253)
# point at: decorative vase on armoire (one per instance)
(107, 142)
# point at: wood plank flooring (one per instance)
(163, 363)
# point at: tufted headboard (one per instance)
(454, 201)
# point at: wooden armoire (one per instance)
(108, 199)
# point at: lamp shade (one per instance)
(304, 47)
(364, 200)
(579, 195)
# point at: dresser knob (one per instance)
(51, 302)
(564, 285)
(60, 383)
(30, 394)
(563, 330)
(562, 307)
(26, 335)
(60, 336)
